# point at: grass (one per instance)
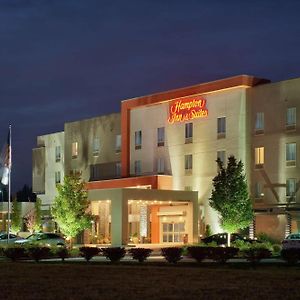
(26, 280)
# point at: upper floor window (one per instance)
(160, 136)
(57, 177)
(188, 133)
(95, 172)
(221, 127)
(291, 118)
(291, 154)
(291, 189)
(259, 122)
(258, 190)
(57, 153)
(118, 169)
(74, 149)
(96, 146)
(160, 165)
(118, 143)
(259, 157)
(188, 163)
(221, 155)
(137, 167)
(138, 139)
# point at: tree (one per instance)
(230, 197)
(69, 208)
(30, 220)
(26, 194)
(16, 218)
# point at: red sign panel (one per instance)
(187, 109)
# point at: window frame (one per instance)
(221, 127)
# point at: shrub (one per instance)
(172, 254)
(74, 252)
(198, 253)
(242, 245)
(276, 249)
(62, 253)
(88, 252)
(222, 254)
(291, 256)
(114, 254)
(267, 238)
(14, 253)
(255, 254)
(38, 253)
(140, 254)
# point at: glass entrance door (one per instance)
(173, 232)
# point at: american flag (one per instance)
(6, 160)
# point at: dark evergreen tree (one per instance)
(26, 194)
(230, 197)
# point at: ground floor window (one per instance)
(173, 232)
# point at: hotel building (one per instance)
(149, 169)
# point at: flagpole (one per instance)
(9, 185)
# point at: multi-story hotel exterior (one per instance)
(149, 169)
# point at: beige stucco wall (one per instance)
(47, 144)
(105, 128)
(229, 103)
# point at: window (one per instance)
(188, 188)
(258, 190)
(57, 177)
(291, 189)
(221, 127)
(137, 167)
(96, 146)
(188, 164)
(74, 150)
(222, 156)
(118, 169)
(160, 136)
(160, 165)
(259, 157)
(291, 118)
(57, 153)
(291, 154)
(188, 133)
(173, 232)
(95, 172)
(138, 139)
(259, 123)
(118, 143)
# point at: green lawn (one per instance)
(26, 280)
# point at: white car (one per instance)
(12, 238)
(42, 240)
(291, 241)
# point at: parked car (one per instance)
(291, 241)
(221, 239)
(43, 239)
(11, 240)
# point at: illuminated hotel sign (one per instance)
(187, 109)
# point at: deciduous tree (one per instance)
(230, 197)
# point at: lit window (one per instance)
(74, 150)
(188, 163)
(291, 154)
(118, 169)
(137, 167)
(160, 136)
(188, 133)
(96, 146)
(259, 122)
(118, 143)
(221, 155)
(221, 127)
(57, 177)
(259, 157)
(291, 118)
(188, 188)
(160, 165)
(57, 153)
(291, 189)
(138, 139)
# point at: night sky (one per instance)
(66, 60)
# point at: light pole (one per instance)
(1, 195)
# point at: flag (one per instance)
(6, 160)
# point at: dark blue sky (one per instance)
(64, 60)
